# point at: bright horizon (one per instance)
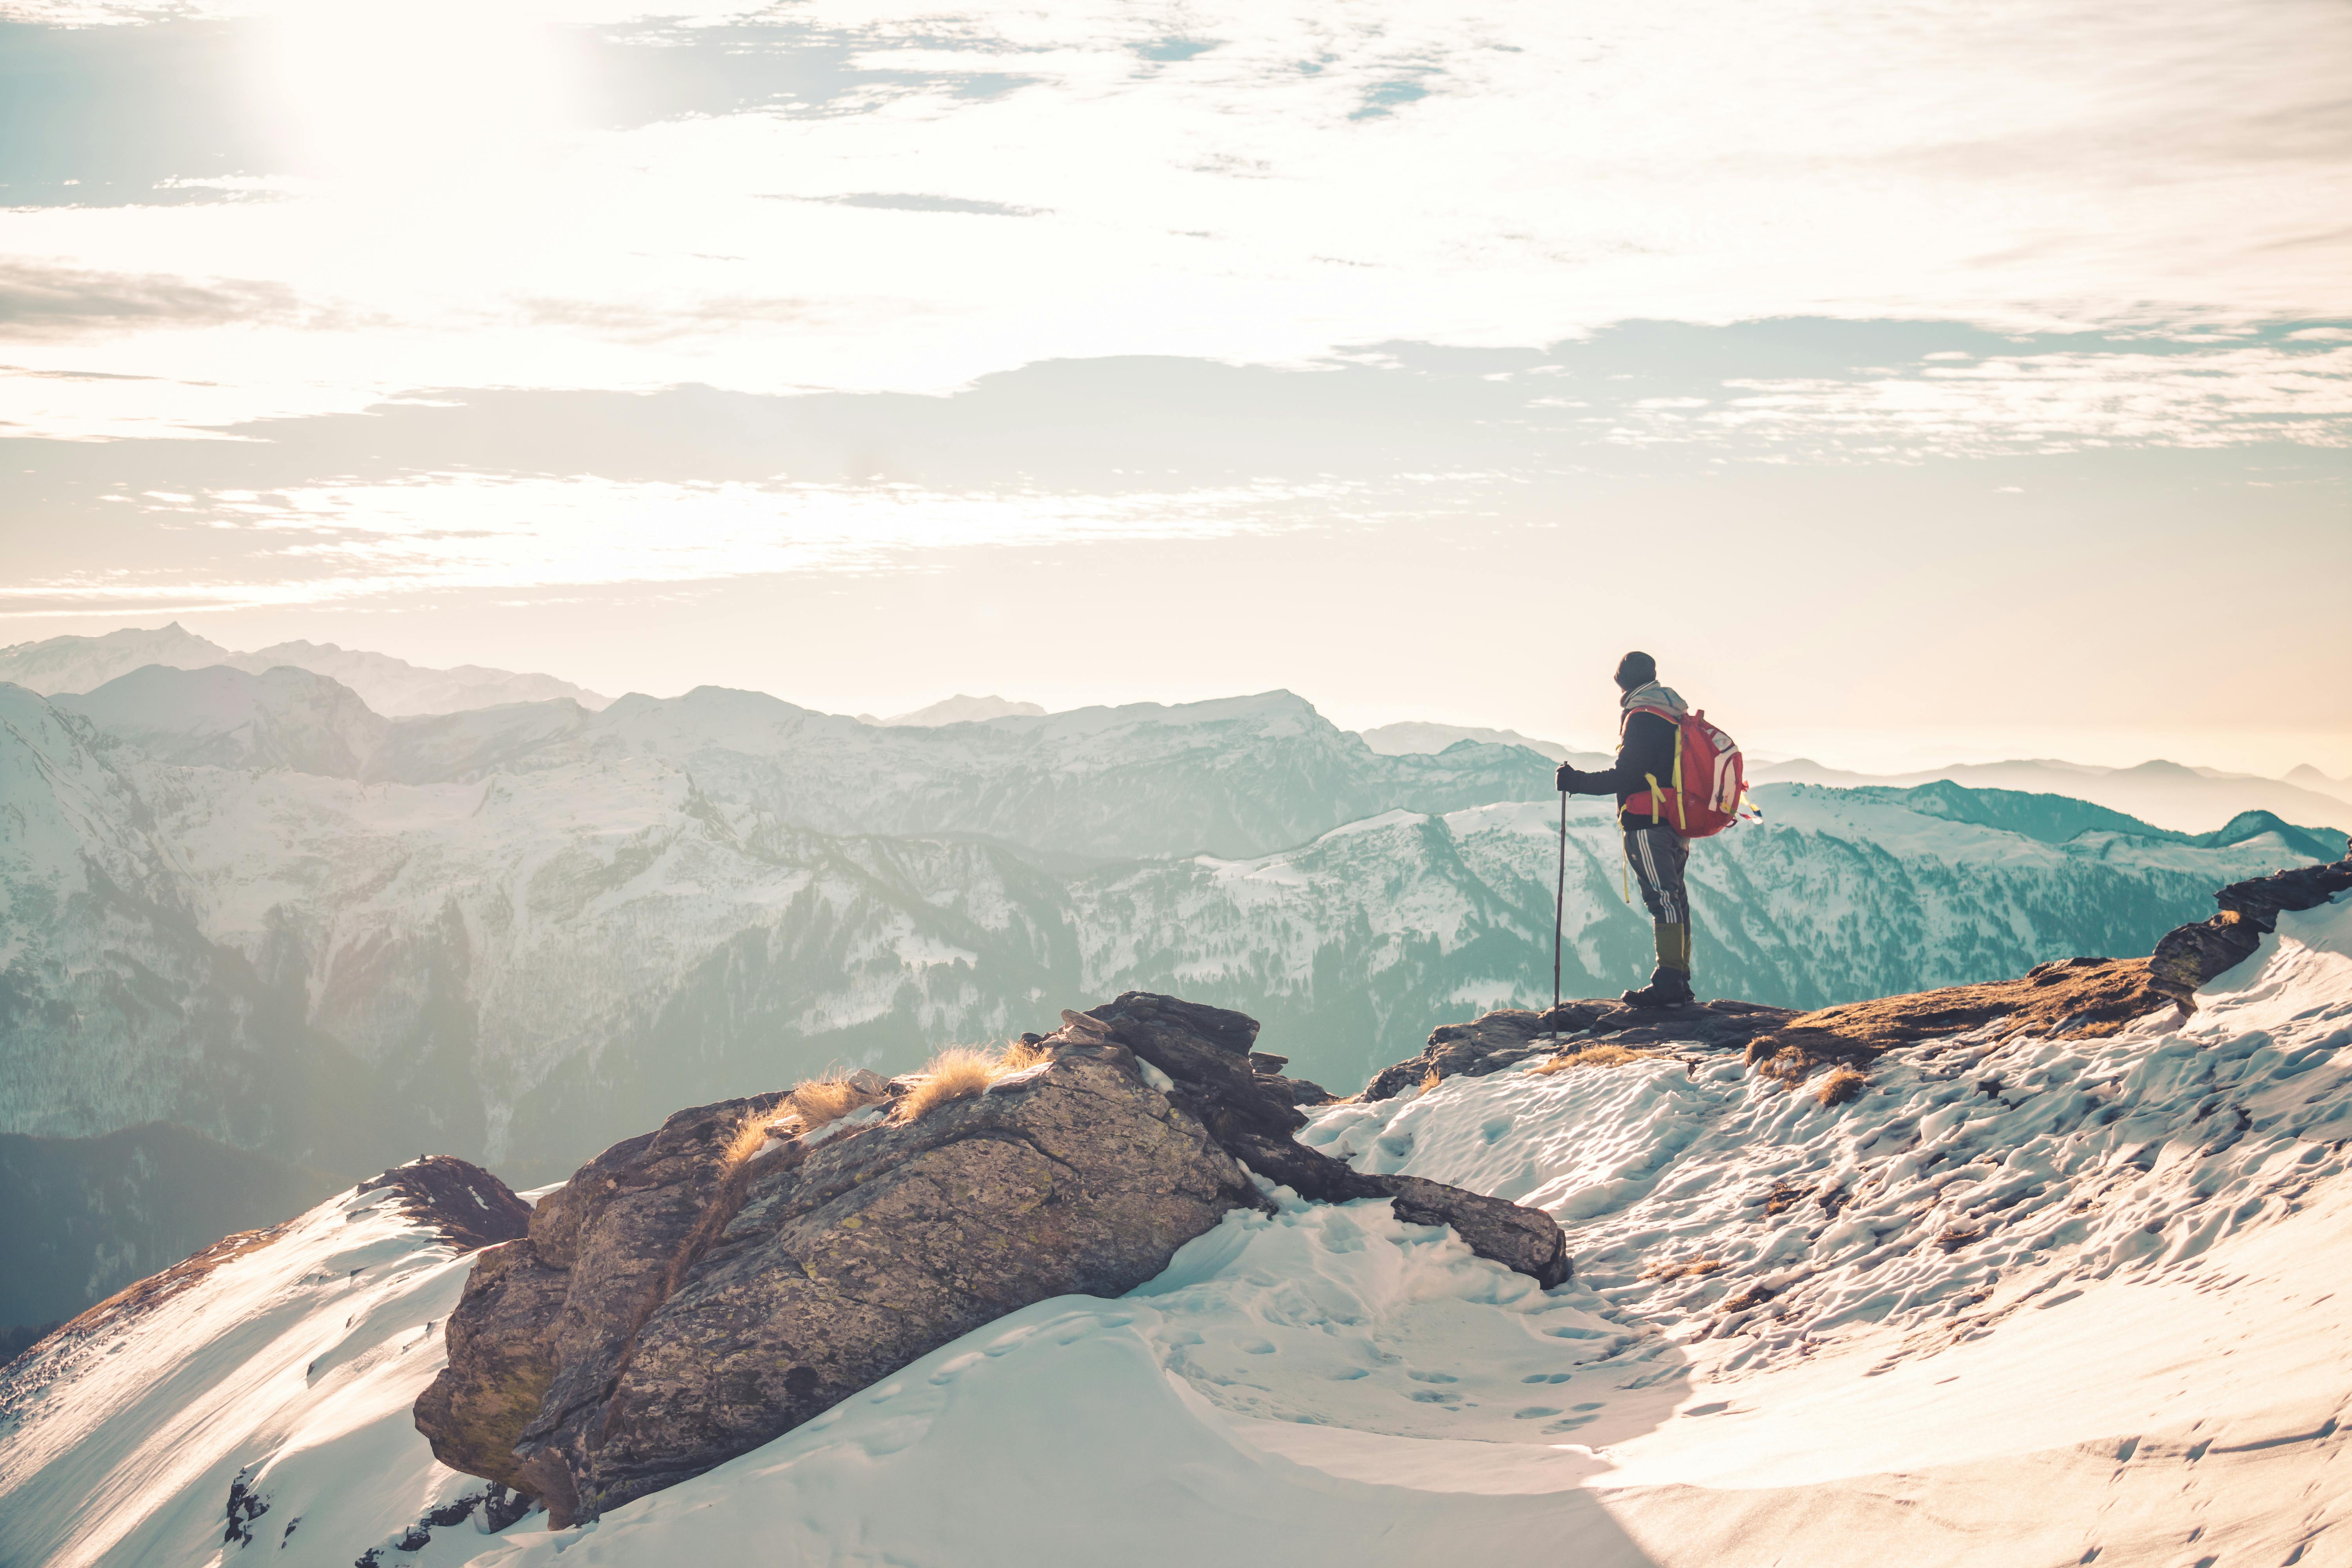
(1941, 387)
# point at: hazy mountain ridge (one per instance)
(516, 965)
(2168, 795)
(392, 687)
(1421, 736)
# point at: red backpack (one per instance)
(1702, 796)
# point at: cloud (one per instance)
(47, 302)
(339, 543)
(2236, 396)
(1558, 171)
(918, 204)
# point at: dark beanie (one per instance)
(1635, 669)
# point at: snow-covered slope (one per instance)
(255, 1399)
(525, 965)
(2049, 1301)
(392, 687)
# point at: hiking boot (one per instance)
(1667, 988)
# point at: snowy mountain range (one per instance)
(2012, 1300)
(507, 933)
(389, 686)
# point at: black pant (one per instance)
(1658, 854)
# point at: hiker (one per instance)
(1645, 761)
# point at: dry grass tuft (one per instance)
(818, 1100)
(755, 1131)
(1431, 1079)
(1843, 1084)
(1603, 1055)
(961, 1071)
(1689, 1268)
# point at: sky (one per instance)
(1919, 383)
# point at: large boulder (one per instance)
(694, 1292)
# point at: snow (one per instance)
(293, 1366)
(2070, 1298)
(1328, 1385)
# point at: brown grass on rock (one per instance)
(1604, 1055)
(1688, 1268)
(961, 1071)
(819, 1100)
(2087, 997)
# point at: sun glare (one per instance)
(418, 93)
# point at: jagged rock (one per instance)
(470, 1206)
(1205, 1050)
(2187, 956)
(1511, 1035)
(694, 1292)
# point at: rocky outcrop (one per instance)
(1510, 1036)
(2089, 997)
(2190, 955)
(470, 1208)
(2071, 997)
(697, 1291)
(2084, 996)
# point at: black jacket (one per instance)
(1648, 748)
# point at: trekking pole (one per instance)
(1559, 901)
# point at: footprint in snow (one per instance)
(1534, 1411)
(1432, 1377)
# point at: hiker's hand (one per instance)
(1567, 778)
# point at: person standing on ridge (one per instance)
(1645, 760)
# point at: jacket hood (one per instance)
(1653, 695)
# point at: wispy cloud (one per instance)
(69, 302)
(334, 543)
(2008, 403)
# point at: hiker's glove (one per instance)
(1567, 779)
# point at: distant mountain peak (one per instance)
(392, 687)
(964, 709)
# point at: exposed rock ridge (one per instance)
(1506, 1037)
(2089, 997)
(470, 1206)
(697, 1291)
(2189, 955)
